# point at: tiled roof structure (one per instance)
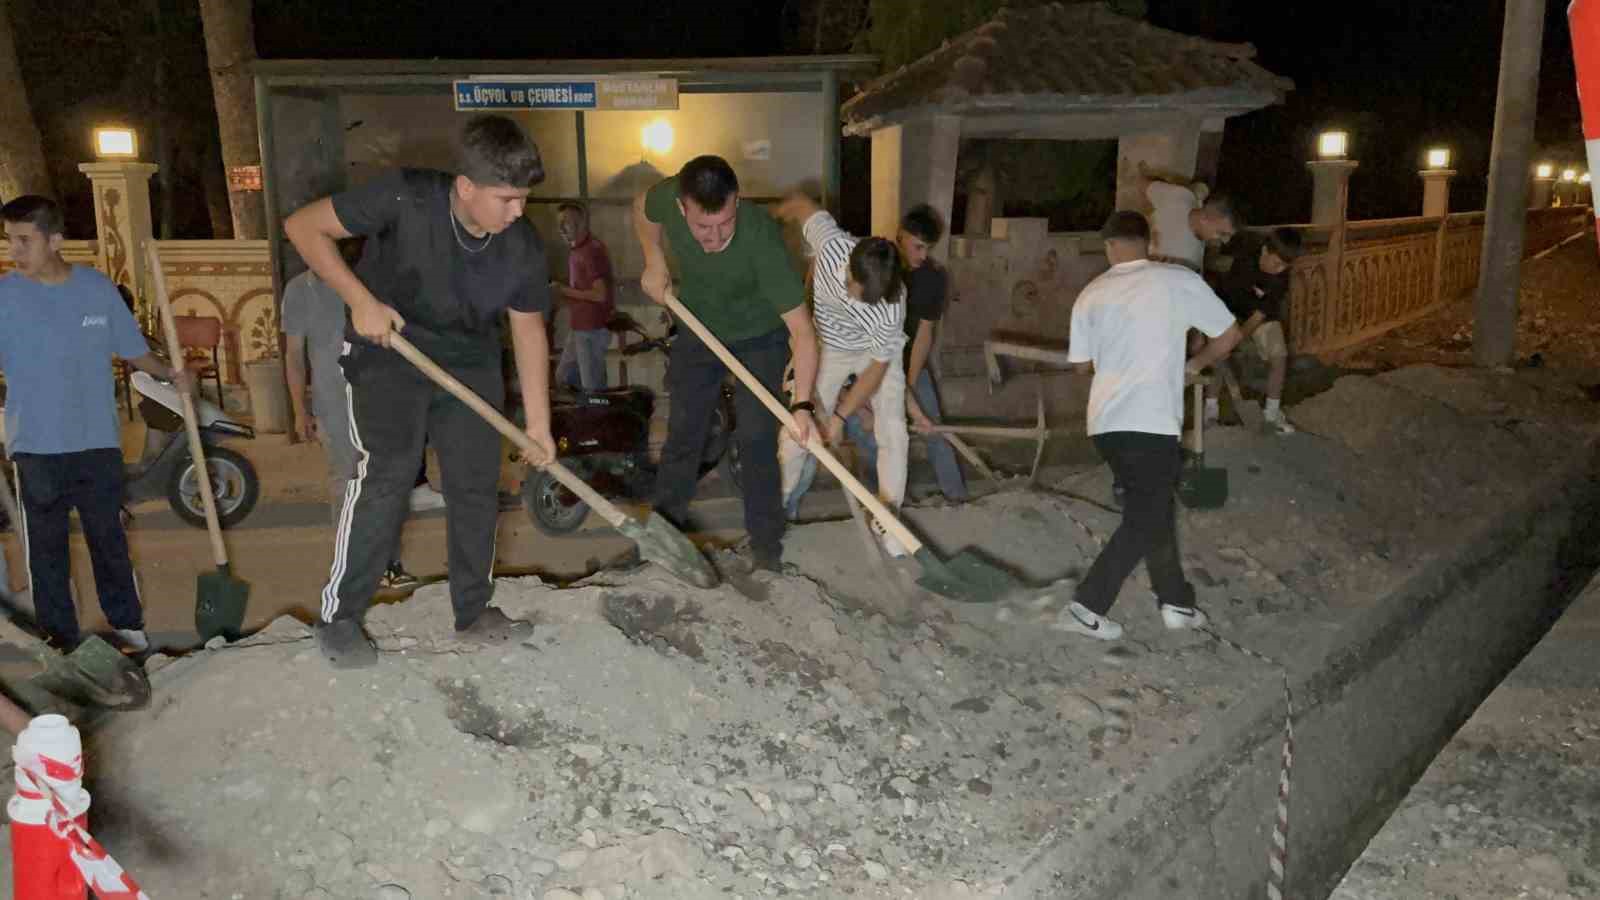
(1066, 57)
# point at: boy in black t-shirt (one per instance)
(927, 297)
(1255, 290)
(447, 257)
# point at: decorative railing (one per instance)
(1377, 275)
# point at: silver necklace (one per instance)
(455, 229)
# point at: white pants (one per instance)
(888, 413)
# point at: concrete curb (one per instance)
(1371, 713)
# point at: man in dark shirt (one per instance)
(588, 293)
(927, 296)
(447, 257)
(1255, 290)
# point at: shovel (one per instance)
(658, 541)
(220, 598)
(965, 577)
(1198, 486)
(1249, 413)
(96, 674)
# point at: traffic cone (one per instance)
(49, 758)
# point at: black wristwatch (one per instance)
(803, 406)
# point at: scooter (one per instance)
(165, 467)
(604, 437)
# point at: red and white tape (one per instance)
(100, 872)
(1278, 854)
(53, 854)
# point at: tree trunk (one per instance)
(216, 189)
(166, 172)
(230, 51)
(22, 165)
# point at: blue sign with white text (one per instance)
(484, 95)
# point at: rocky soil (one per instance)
(782, 735)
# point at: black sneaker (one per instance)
(396, 577)
(345, 646)
(495, 627)
(767, 560)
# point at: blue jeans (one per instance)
(945, 468)
(583, 359)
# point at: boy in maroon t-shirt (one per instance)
(588, 293)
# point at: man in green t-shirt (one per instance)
(735, 276)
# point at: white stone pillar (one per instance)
(914, 163)
(1330, 197)
(1436, 192)
(122, 222)
(1170, 153)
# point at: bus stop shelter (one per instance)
(606, 129)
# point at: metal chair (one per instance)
(201, 340)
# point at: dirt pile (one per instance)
(651, 741)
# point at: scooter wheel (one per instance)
(234, 482)
(554, 510)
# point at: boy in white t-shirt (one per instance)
(1128, 327)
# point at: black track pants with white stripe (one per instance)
(394, 411)
(50, 486)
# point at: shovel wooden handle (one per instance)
(972, 457)
(989, 431)
(571, 482)
(191, 424)
(815, 444)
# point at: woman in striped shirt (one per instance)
(858, 295)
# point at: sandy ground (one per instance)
(781, 735)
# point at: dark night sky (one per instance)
(1399, 75)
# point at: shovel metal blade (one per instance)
(1203, 488)
(96, 675)
(220, 602)
(663, 544)
(965, 577)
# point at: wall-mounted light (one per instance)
(1569, 175)
(116, 142)
(1333, 144)
(1584, 178)
(657, 137)
(1439, 158)
(1544, 170)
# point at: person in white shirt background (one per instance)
(858, 294)
(1184, 219)
(1129, 327)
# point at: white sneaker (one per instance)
(1178, 618)
(424, 498)
(1274, 424)
(1076, 618)
(133, 639)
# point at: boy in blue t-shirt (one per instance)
(62, 326)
